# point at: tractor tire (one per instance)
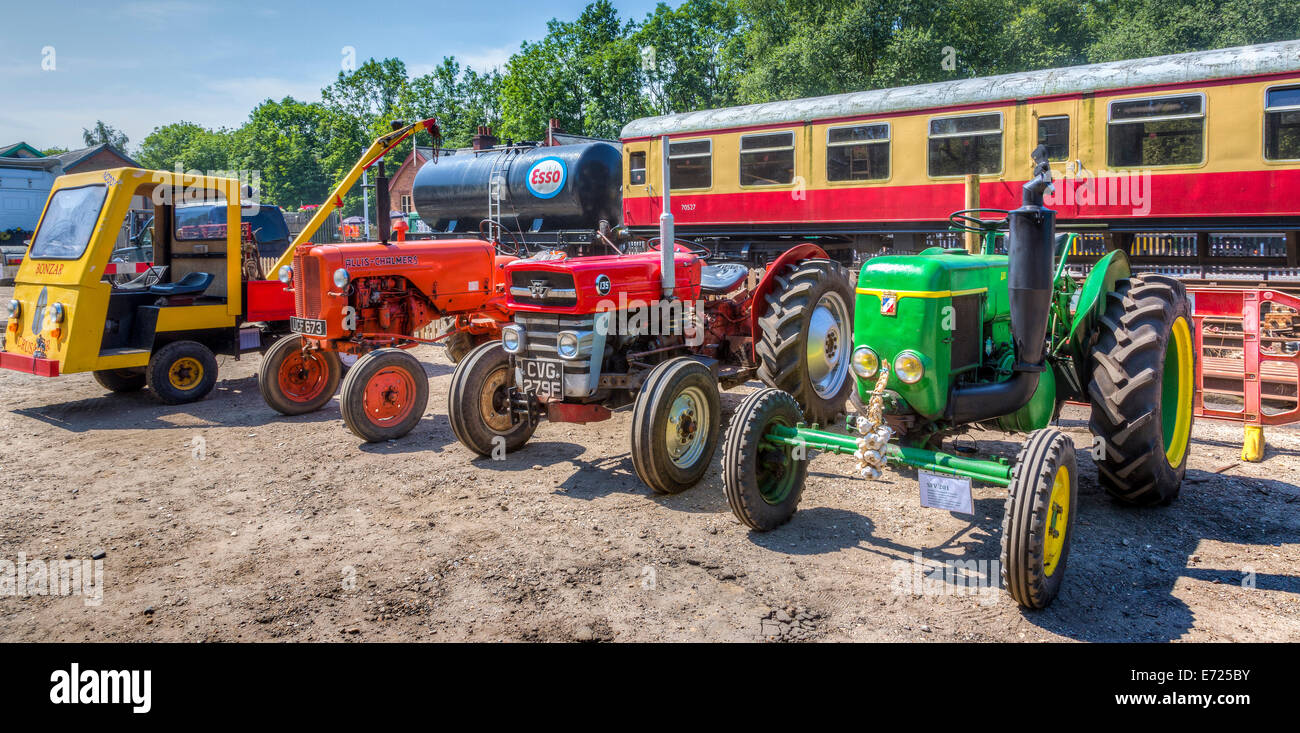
(1038, 521)
(1143, 380)
(181, 372)
(675, 425)
(295, 382)
(461, 343)
(478, 404)
(384, 395)
(805, 338)
(121, 380)
(763, 482)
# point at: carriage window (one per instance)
(1154, 132)
(857, 153)
(636, 168)
(767, 159)
(961, 145)
(1054, 134)
(1282, 124)
(690, 164)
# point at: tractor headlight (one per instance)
(566, 344)
(512, 339)
(341, 278)
(15, 308)
(865, 362)
(908, 367)
(286, 274)
(56, 313)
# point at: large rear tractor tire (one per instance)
(384, 395)
(1143, 381)
(763, 481)
(675, 425)
(121, 380)
(1039, 518)
(478, 404)
(461, 343)
(293, 381)
(805, 338)
(182, 372)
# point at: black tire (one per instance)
(806, 295)
(684, 389)
(182, 372)
(478, 404)
(1142, 447)
(384, 395)
(121, 380)
(294, 382)
(763, 482)
(461, 343)
(1035, 537)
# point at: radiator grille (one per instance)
(968, 331)
(543, 288)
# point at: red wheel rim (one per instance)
(303, 377)
(389, 396)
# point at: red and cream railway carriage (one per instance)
(1201, 147)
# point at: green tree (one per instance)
(103, 132)
(286, 142)
(1126, 29)
(687, 53)
(188, 146)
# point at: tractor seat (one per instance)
(721, 279)
(192, 284)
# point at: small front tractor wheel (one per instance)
(121, 380)
(461, 343)
(478, 404)
(763, 481)
(182, 372)
(294, 381)
(1143, 381)
(675, 425)
(384, 395)
(1039, 518)
(805, 338)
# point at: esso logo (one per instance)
(546, 177)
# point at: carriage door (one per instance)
(1056, 126)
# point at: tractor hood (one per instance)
(553, 283)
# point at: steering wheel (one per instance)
(519, 249)
(694, 248)
(971, 220)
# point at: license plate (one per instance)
(307, 326)
(542, 377)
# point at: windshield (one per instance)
(69, 219)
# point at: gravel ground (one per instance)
(225, 521)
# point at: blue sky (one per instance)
(144, 63)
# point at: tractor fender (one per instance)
(758, 303)
(1090, 307)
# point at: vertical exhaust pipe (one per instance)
(667, 236)
(1031, 231)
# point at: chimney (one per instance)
(483, 138)
(551, 128)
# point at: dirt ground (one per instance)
(225, 521)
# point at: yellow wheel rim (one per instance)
(185, 373)
(1058, 521)
(1177, 418)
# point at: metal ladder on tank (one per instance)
(497, 182)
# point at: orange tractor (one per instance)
(369, 300)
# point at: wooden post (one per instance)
(973, 243)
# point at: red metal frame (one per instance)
(1244, 304)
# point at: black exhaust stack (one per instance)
(384, 202)
(1031, 239)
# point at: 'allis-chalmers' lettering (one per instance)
(381, 261)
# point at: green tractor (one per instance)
(946, 341)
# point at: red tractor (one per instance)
(370, 300)
(661, 330)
